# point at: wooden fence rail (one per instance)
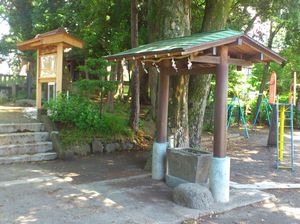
(11, 84)
(10, 80)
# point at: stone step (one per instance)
(28, 158)
(31, 148)
(22, 127)
(23, 138)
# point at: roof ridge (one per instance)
(51, 32)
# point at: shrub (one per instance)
(85, 118)
(76, 110)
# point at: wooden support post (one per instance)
(59, 67)
(162, 111)
(14, 89)
(38, 83)
(220, 135)
(160, 145)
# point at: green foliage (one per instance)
(262, 115)
(83, 121)
(237, 83)
(75, 110)
(97, 67)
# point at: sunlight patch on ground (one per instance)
(110, 162)
(26, 181)
(11, 109)
(270, 205)
(110, 203)
(72, 175)
(290, 211)
(26, 219)
(93, 194)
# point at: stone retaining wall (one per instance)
(97, 146)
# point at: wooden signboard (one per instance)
(50, 49)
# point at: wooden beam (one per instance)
(182, 68)
(59, 67)
(51, 39)
(206, 59)
(239, 62)
(216, 60)
(264, 50)
(259, 57)
(218, 43)
(48, 50)
(38, 83)
(194, 71)
(47, 79)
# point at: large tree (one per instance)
(174, 21)
(135, 85)
(215, 18)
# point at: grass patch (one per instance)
(114, 128)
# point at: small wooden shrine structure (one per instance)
(203, 53)
(50, 48)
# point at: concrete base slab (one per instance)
(43, 198)
(172, 181)
(267, 185)
(238, 198)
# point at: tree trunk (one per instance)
(144, 87)
(199, 87)
(272, 131)
(120, 79)
(273, 31)
(262, 86)
(110, 96)
(153, 83)
(215, 18)
(153, 29)
(175, 22)
(179, 110)
(135, 84)
(86, 73)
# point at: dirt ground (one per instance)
(252, 161)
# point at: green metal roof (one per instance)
(180, 43)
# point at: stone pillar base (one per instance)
(219, 179)
(159, 160)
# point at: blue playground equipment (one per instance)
(268, 109)
(230, 109)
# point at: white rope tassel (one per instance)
(123, 62)
(190, 64)
(156, 66)
(174, 65)
(143, 64)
